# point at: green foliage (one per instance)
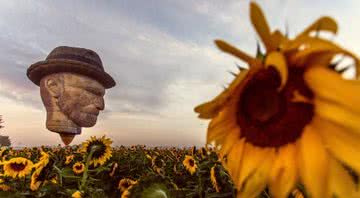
(154, 172)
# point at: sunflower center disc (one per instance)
(18, 167)
(126, 184)
(191, 162)
(99, 152)
(271, 118)
(264, 105)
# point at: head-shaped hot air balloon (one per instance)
(72, 86)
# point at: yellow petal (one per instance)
(341, 183)
(228, 48)
(278, 61)
(329, 85)
(313, 163)
(340, 142)
(261, 26)
(323, 23)
(322, 59)
(255, 170)
(336, 113)
(221, 125)
(252, 157)
(283, 174)
(278, 38)
(217, 135)
(297, 193)
(211, 109)
(312, 46)
(230, 140)
(234, 159)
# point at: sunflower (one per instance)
(35, 181)
(4, 187)
(42, 172)
(157, 162)
(125, 194)
(190, 164)
(43, 161)
(133, 147)
(102, 154)
(213, 178)
(68, 159)
(76, 194)
(125, 184)
(148, 157)
(3, 151)
(78, 167)
(290, 117)
(17, 167)
(297, 193)
(54, 179)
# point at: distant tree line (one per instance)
(1, 121)
(4, 140)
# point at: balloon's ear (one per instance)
(54, 86)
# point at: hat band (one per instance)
(76, 58)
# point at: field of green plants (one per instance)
(95, 169)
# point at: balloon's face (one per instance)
(81, 99)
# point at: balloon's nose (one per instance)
(100, 104)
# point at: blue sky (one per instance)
(160, 52)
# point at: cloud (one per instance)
(142, 57)
(144, 60)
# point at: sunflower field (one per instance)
(95, 169)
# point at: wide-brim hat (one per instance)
(71, 59)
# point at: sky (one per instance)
(160, 53)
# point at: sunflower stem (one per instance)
(85, 174)
(60, 174)
(200, 187)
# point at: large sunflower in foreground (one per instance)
(290, 117)
(17, 167)
(103, 151)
